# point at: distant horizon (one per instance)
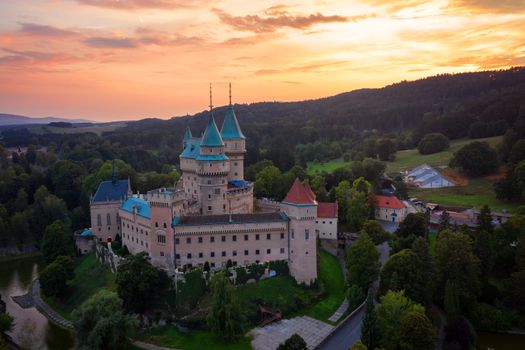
(128, 60)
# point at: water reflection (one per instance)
(32, 329)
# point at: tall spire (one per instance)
(230, 94)
(211, 102)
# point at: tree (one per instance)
(20, 227)
(416, 332)
(100, 322)
(318, 185)
(57, 241)
(376, 231)
(485, 219)
(386, 149)
(394, 306)
(21, 200)
(362, 261)
(342, 195)
(295, 342)
(451, 302)
(225, 317)
(484, 248)
(357, 212)
(460, 334)
(444, 221)
(355, 296)
(370, 331)
(138, 281)
(359, 346)
(409, 272)
(433, 143)
(268, 182)
(475, 159)
(455, 260)
(53, 279)
(413, 226)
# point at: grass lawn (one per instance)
(477, 193)
(90, 277)
(408, 159)
(326, 167)
(195, 340)
(331, 277)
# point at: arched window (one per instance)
(108, 219)
(99, 220)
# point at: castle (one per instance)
(208, 216)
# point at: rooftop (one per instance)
(390, 202)
(111, 191)
(211, 137)
(228, 219)
(327, 210)
(142, 206)
(230, 127)
(300, 194)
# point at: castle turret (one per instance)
(187, 137)
(301, 207)
(235, 143)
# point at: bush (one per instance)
(280, 266)
(295, 342)
(475, 159)
(489, 318)
(433, 143)
(191, 290)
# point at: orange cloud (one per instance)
(45, 30)
(139, 4)
(277, 17)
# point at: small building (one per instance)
(326, 222)
(425, 176)
(390, 208)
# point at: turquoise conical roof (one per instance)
(230, 127)
(211, 137)
(187, 134)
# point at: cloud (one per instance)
(311, 67)
(17, 58)
(45, 30)
(113, 43)
(500, 6)
(393, 6)
(277, 17)
(140, 4)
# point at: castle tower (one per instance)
(235, 143)
(187, 137)
(301, 208)
(212, 170)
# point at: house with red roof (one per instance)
(326, 222)
(390, 208)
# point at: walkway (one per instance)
(311, 330)
(47, 311)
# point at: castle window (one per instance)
(306, 235)
(210, 163)
(108, 219)
(212, 254)
(257, 237)
(246, 252)
(245, 237)
(257, 252)
(268, 236)
(200, 255)
(223, 238)
(212, 239)
(234, 253)
(156, 224)
(212, 264)
(188, 256)
(235, 174)
(188, 240)
(235, 164)
(223, 254)
(177, 256)
(316, 221)
(217, 191)
(293, 234)
(99, 220)
(200, 239)
(209, 196)
(282, 250)
(209, 207)
(282, 235)
(234, 238)
(161, 239)
(268, 251)
(165, 225)
(161, 253)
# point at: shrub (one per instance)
(280, 266)
(433, 143)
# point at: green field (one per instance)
(409, 159)
(90, 277)
(476, 194)
(405, 160)
(95, 129)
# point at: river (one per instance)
(31, 329)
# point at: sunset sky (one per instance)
(130, 59)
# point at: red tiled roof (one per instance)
(298, 194)
(327, 210)
(389, 202)
(309, 191)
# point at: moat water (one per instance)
(32, 330)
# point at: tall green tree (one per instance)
(268, 182)
(370, 331)
(451, 302)
(485, 220)
(57, 241)
(362, 261)
(376, 231)
(225, 317)
(394, 306)
(100, 322)
(138, 282)
(475, 159)
(416, 332)
(444, 221)
(455, 260)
